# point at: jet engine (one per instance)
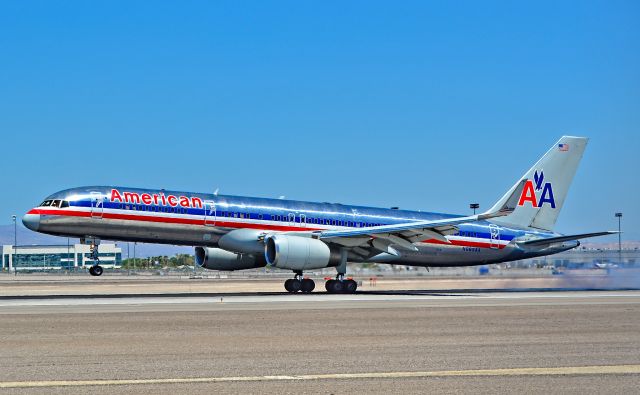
(219, 259)
(299, 253)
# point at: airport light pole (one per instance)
(15, 242)
(474, 206)
(619, 216)
(128, 259)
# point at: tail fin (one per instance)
(546, 186)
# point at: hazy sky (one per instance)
(414, 104)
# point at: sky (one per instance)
(422, 105)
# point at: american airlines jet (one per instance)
(235, 233)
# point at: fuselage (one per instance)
(199, 219)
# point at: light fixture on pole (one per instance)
(474, 206)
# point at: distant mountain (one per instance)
(28, 237)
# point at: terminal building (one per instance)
(58, 257)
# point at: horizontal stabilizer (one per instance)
(561, 239)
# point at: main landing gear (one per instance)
(341, 286)
(299, 284)
(306, 285)
(338, 286)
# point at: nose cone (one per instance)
(31, 221)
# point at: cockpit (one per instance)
(58, 203)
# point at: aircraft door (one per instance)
(303, 221)
(494, 230)
(97, 205)
(209, 213)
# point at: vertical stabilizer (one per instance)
(545, 186)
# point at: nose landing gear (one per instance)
(95, 269)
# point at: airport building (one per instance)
(58, 257)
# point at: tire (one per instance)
(308, 285)
(91, 272)
(287, 285)
(296, 285)
(338, 287)
(329, 286)
(97, 270)
(350, 286)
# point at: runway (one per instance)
(408, 342)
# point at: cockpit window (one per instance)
(55, 203)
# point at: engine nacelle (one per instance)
(243, 240)
(219, 259)
(299, 253)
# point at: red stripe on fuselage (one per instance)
(169, 220)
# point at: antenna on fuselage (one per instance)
(215, 193)
(282, 197)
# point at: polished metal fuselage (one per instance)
(203, 218)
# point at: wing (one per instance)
(387, 238)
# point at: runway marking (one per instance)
(568, 370)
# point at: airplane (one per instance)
(236, 233)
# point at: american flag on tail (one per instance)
(563, 147)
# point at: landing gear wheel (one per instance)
(296, 285)
(350, 286)
(293, 285)
(287, 285)
(97, 270)
(91, 272)
(329, 285)
(334, 286)
(308, 285)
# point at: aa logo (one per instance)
(532, 192)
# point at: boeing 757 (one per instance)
(235, 233)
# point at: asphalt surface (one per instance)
(395, 342)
